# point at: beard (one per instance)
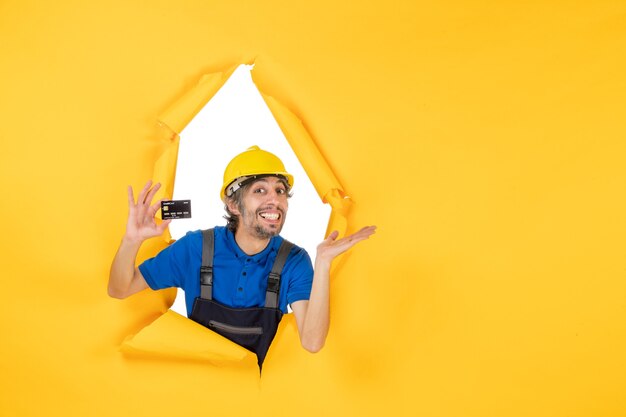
(262, 233)
(251, 220)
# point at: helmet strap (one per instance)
(242, 181)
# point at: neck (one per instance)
(251, 245)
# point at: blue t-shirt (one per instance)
(239, 280)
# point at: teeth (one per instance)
(270, 216)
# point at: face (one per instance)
(264, 208)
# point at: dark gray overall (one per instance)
(253, 328)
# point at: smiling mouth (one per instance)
(270, 216)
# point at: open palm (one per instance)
(141, 223)
(330, 248)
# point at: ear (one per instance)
(232, 207)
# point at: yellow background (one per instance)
(485, 139)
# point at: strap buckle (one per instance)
(206, 275)
(273, 282)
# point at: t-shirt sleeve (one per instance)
(300, 272)
(168, 268)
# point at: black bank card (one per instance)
(175, 209)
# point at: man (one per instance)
(237, 279)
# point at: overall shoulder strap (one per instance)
(206, 270)
(273, 280)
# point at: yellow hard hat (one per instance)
(249, 165)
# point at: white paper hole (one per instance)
(232, 121)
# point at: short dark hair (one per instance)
(232, 220)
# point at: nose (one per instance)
(275, 198)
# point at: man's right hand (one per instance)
(142, 224)
(125, 279)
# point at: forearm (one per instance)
(123, 268)
(317, 318)
(313, 316)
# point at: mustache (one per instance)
(280, 209)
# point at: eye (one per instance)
(280, 191)
(259, 191)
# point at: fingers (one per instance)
(141, 212)
(161, 228)
(145, 197)
(142, 194)
(367, 230)
(152, 192)
(131, 197)
(155, 207)
(330, 248)
(357, 237)
(364, 233)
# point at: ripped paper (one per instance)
(156, 338)
(173, 335)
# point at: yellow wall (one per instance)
(485, 139)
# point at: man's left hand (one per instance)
(330, 248)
